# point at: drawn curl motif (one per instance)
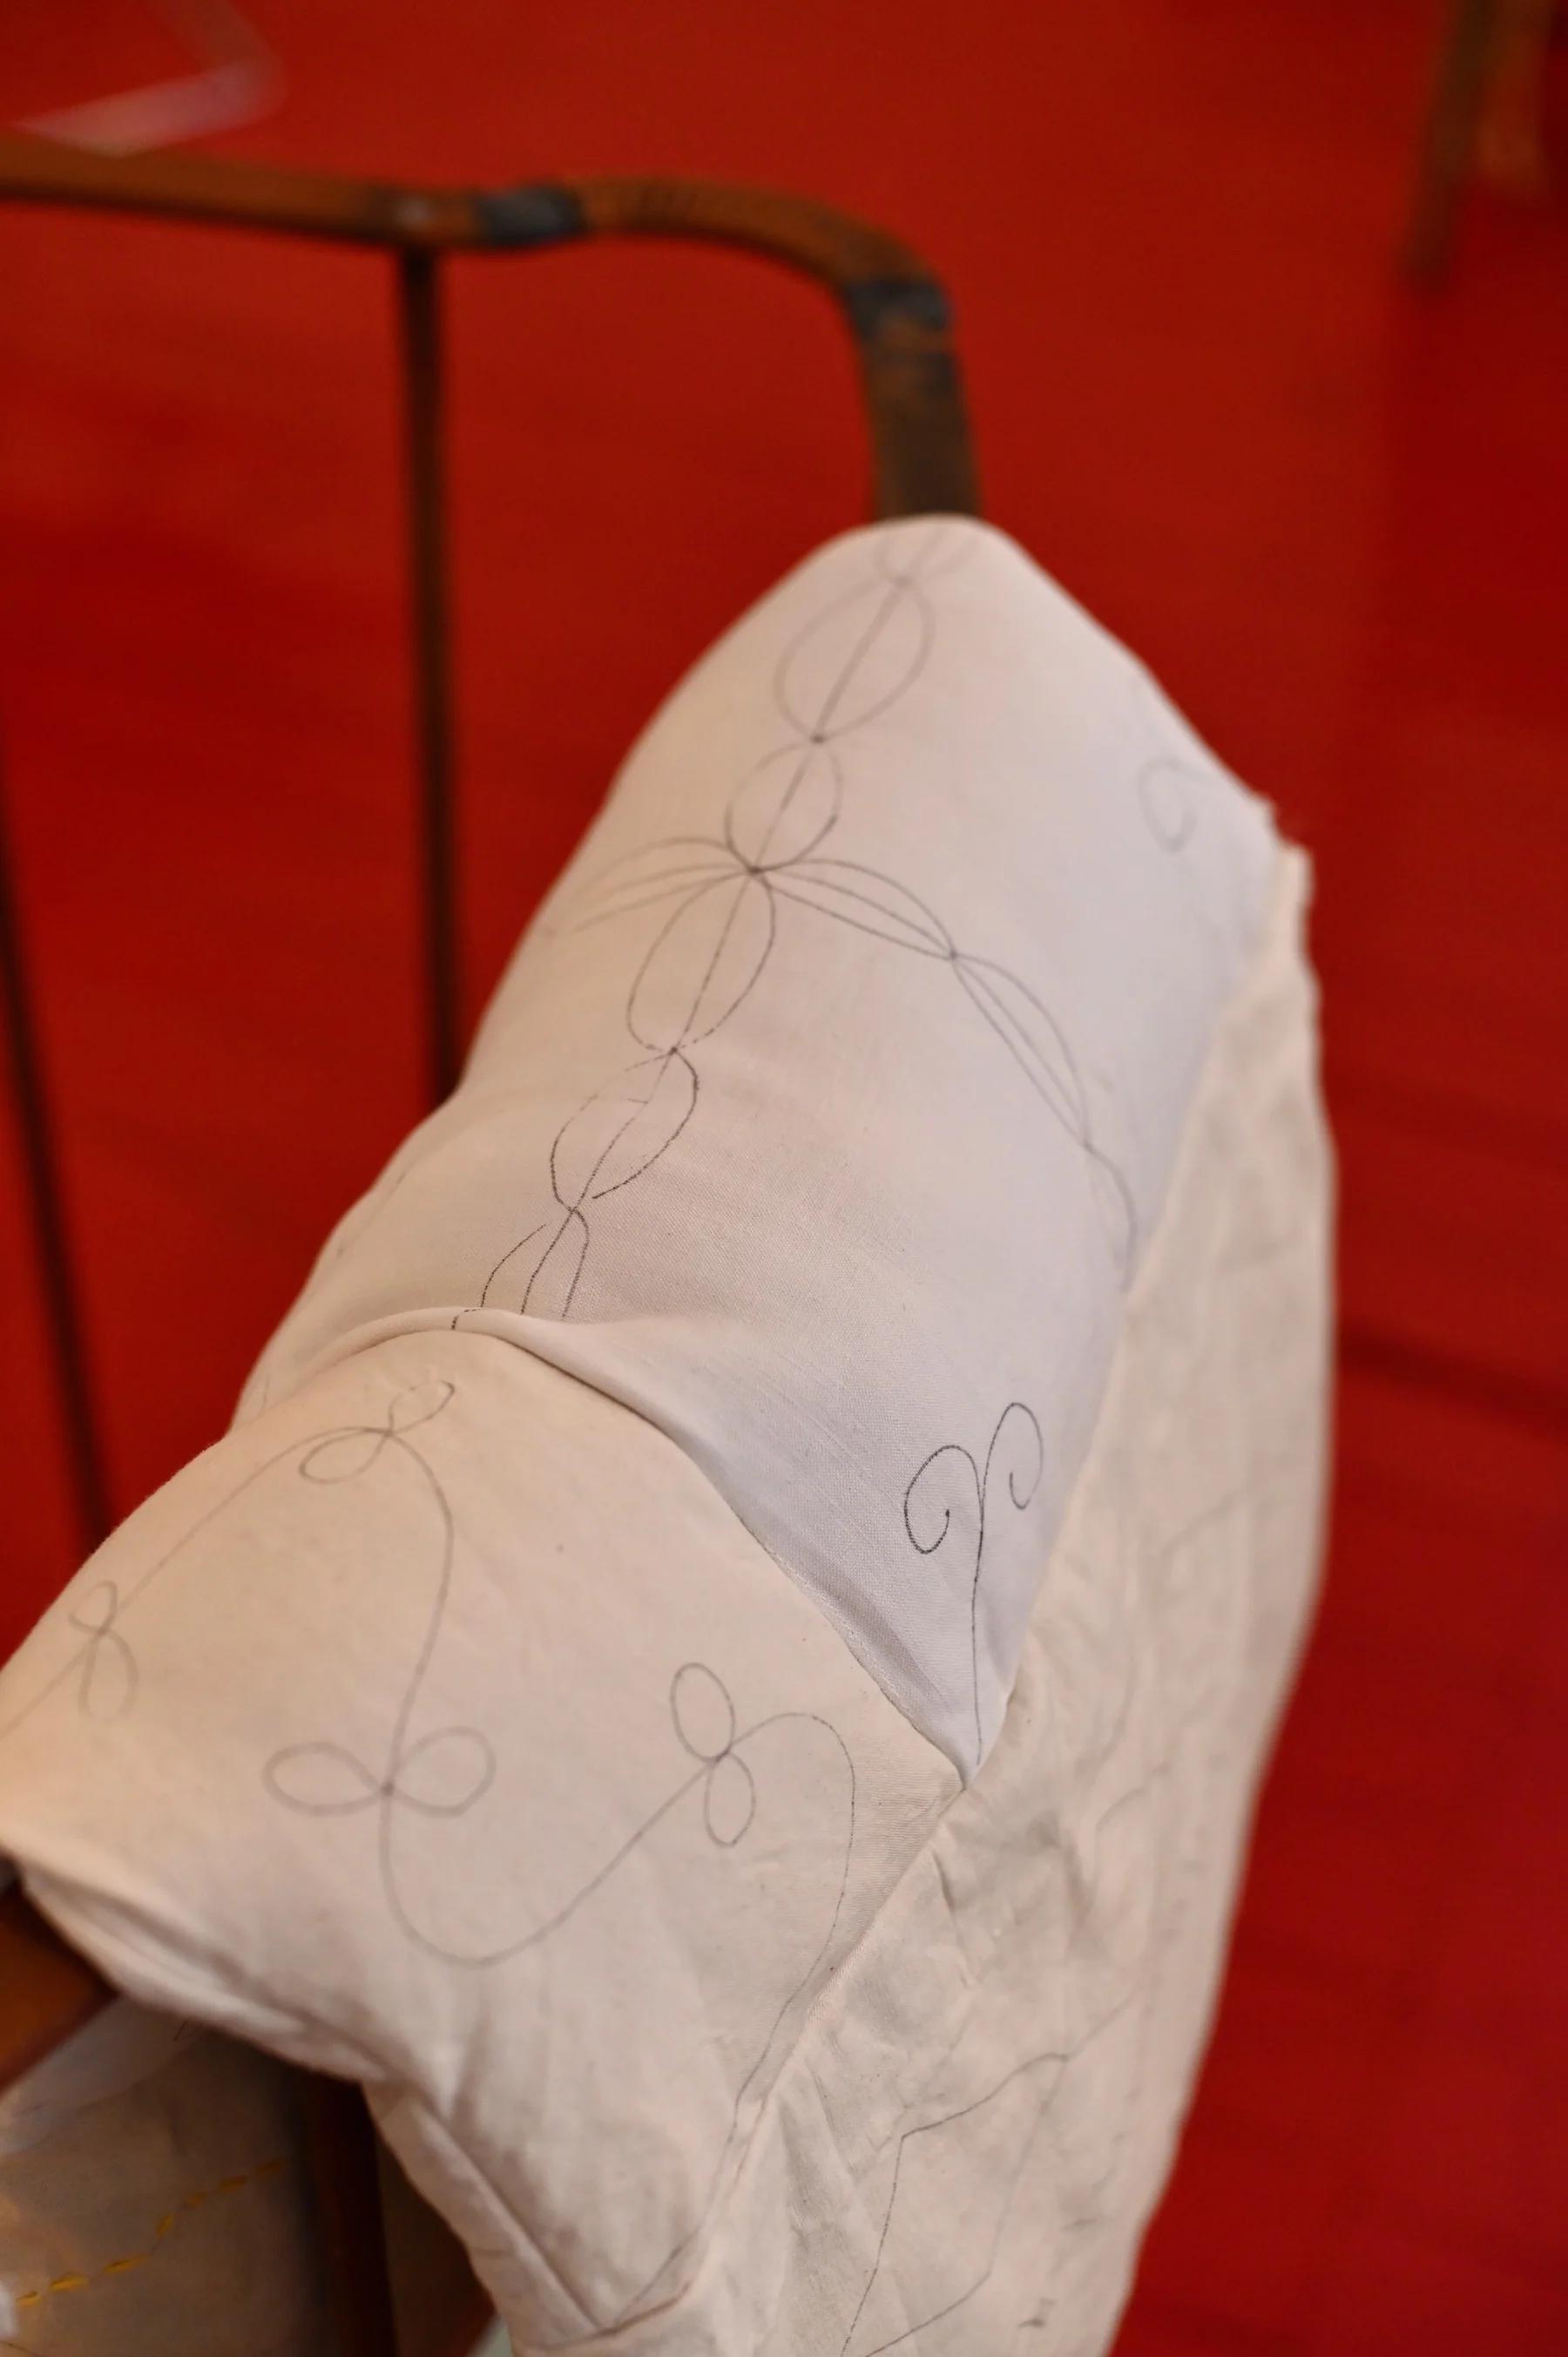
(723, 894)
(108, 1682)
(1031, 2087)
(924, 1496)
(442, 1772)
(1178, 792)
(445, 1770)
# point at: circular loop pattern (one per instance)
(443, 1773)
(1165, 789)
(787, 807)
(729, 1800)
(344, 1456)
(702, 1712)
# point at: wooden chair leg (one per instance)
(47, 1991)
(50, 1992)
(1449, 142)
(340, 2152)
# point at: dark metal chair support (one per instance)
(57, 1272)
(897, 315)
(899, 318)
(419, 318)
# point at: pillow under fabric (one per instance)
(828, 1109)
(722, 1668)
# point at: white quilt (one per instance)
(723, 1667)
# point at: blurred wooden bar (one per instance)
(47, 1991)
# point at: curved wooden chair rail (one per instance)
(899, 321)
(47, 1991)
(895, 309)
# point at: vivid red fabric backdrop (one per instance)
(1333, 518)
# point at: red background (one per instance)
(1333, 518)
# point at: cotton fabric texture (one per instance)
(723, 1667)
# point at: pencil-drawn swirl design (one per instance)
(1170, 784)
(1178, 792)
(103, 1665)
(417, 1773)
(439, 1773)
(446, 1771)
(704, 1722)
(328, 1779)
(721, 896)
(442, 1772)
(107, 1687)
(1168, 793)
(987, 2142)
(924, 1502)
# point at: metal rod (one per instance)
(419, 307)
(45, 1209)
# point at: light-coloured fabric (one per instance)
(774, 1905)
(829, 1109)
(153, 2200)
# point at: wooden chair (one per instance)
(1486, 114)
(899, 318)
